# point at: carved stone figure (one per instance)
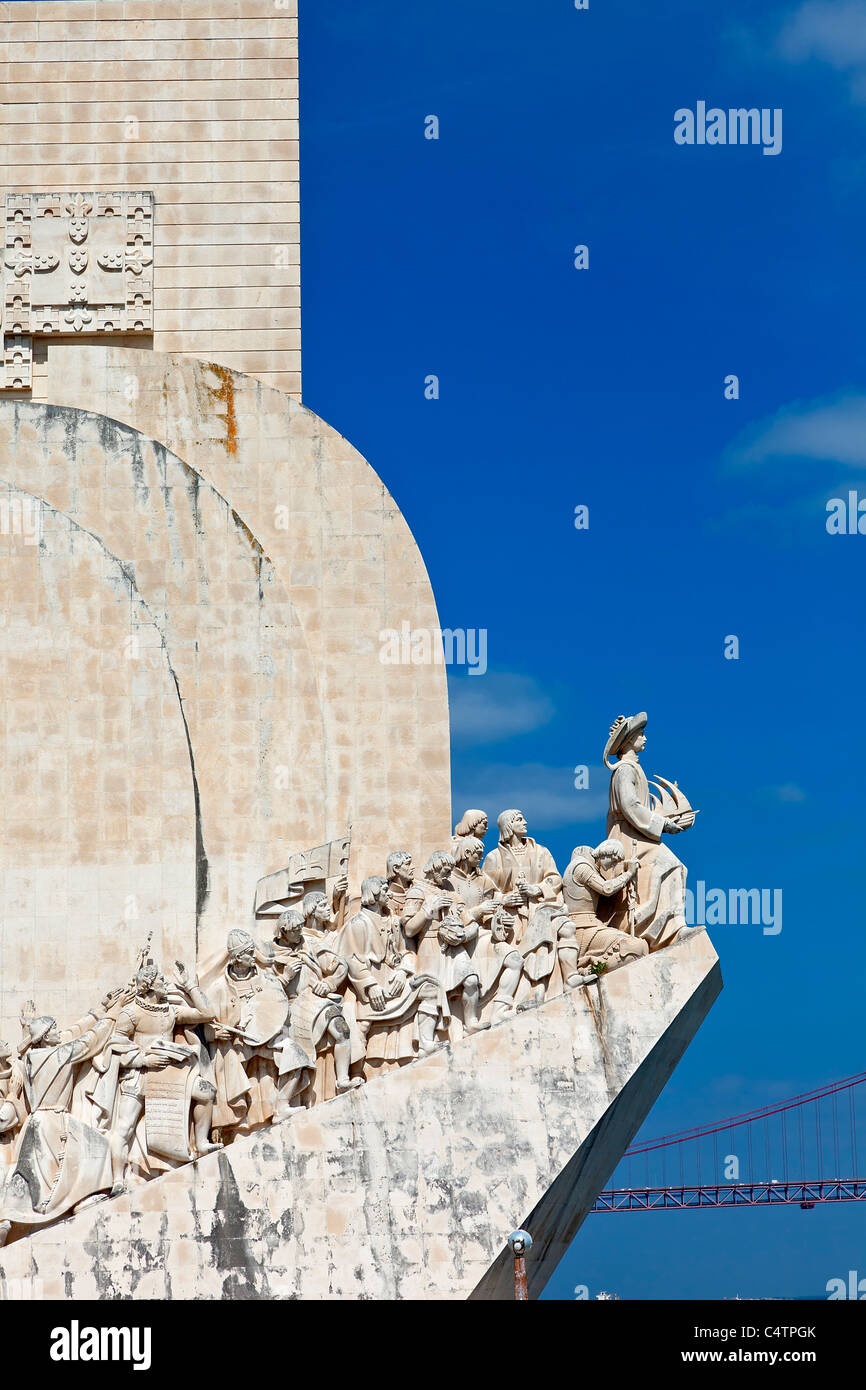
(258, 1068)
(637, 820)
(583, 940)
(12, 1109)
(471, 823)
(540, 957)
(499, 964)
(60, 1162)
(314, 975)
(529, 883)
(404, 894)
(161, 1078)
(524, 872)
(443, 931)
(471, 882)
(390, 993)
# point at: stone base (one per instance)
(408, 1187)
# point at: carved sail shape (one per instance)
(666, 797)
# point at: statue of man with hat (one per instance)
(638, 820)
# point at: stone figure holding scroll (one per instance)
(160, 1076)
(162, 1079)
(638, 820)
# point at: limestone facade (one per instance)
(198, 104)
(280, 723)
(345, 556)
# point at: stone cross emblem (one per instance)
(54, 238)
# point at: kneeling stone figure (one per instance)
(583, 940)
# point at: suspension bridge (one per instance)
(793, 1152)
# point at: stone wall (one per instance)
(98, 808)
(267, 557)
(190, 597)
(344, 554)
(196, 102)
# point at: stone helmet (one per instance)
(238, 943)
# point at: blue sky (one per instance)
(707, 516)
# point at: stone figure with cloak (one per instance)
(12, 1108)
(529, 884)
(156, 1095)
(405, 896)
(390, 994)
(314, 977)
(258, 1067)
(442, 933)
(499, 964)
(470, 880)
(638, 819)
(61, 1161)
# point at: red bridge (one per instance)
(747, 1160)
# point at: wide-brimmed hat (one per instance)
(620, 731)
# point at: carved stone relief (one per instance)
(74, 263)
(163, 1071)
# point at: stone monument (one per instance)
(367, 1074)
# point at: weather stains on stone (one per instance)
(225, 395)
(142, 1256)
(228, 1240)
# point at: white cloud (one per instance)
(496, 706)
(833, 31)
(831, 431)
(546, 795)
(789, 793)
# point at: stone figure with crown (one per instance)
(155, 1092)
